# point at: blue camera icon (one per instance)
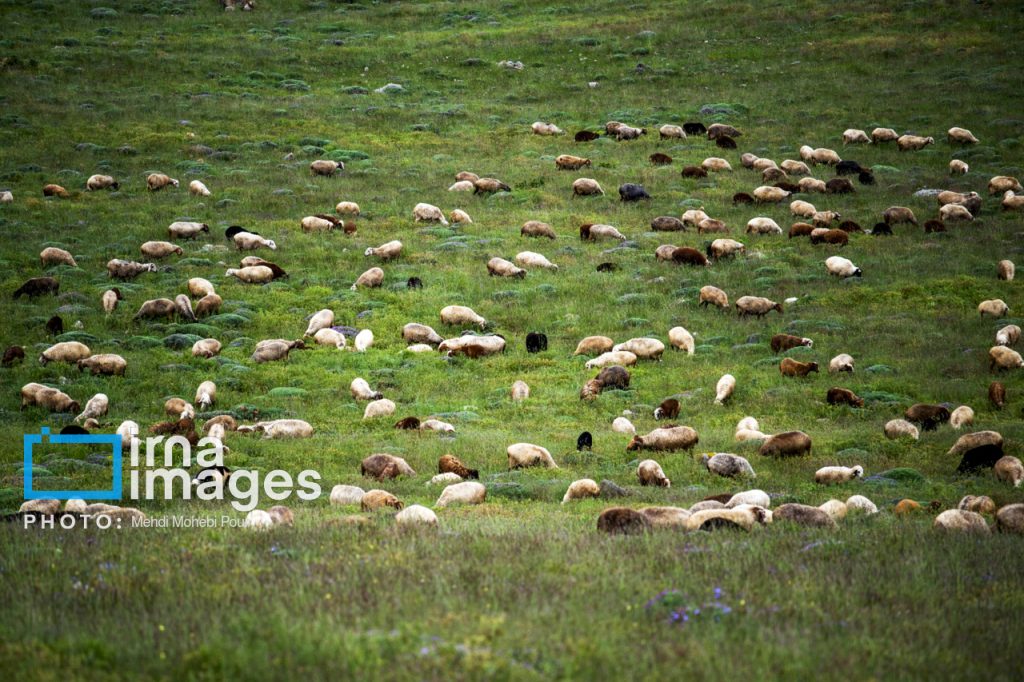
(113, 440)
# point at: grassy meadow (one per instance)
(520, 587)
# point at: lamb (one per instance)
(270, 350)
(649, 473)
(961, 417)
(895, 215)
(671, 132)
(645, 348)
(499, 267)
(954, 213)
(457, 315)
(1008, 335)
(763, 225)
(158, 181)
(423, 212)
(414, 332)
(489, 186)
(728, 465)
(993, 308)
(621, 357)
(285, 428)
(96, 407)
(680, 339)
(997, 395)
(379, 408)
(373, 500)
(387, 251)
(206, 348)
(383, 467)
(668, 438)
(591, 232)
(197, 189)
(899, 428)
(812, 185)
(66, 351)
(570, 162)
(913, 142)
(322, 319)
(854, 136)
(361, 390)
(50, 398)
(126, 269)
(623, 521)
(788, 444)
(527, 455)
(325, 167)
(825, 156)
(1001, 357)
(416, 515)
(54, 256)
(961, 521)
(756, 306)
(715, 164)
(710, 295)
(804, 515)
(535, 260)
(520, 391)
(542, 128)
(724, 389)
(780, 343)
(107, 364)
(1009, 470)
(254, 274)
(928, 416)
(594, 345)
(838, 474)
(535, 228)
(842, 268)
(467, 492)
(208, 305)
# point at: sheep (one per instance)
(1002, 357)
(179, 408)
(649, 473)
(270, 350)
(632, 192)
(716, 130)
(843, 396)
(1009, 469)
(416, 515)
(542, 128)
(714, 164)
(950, 197)
(643, 348)
(256, 274)
(247, 241)
(54, 256)
(767, 194)
(725, 248)
(728, 465)
(763, 225)
(973, 441)
(183, 306)
(712, 225)
(313, 223)
(347, 208)
(158, 181)
(802, 208)
(961, 135)
(183, 229)
(458, 216)
(199, 287)
(461, 186)
(473, 346)
(322, 319)
(325, 167)
(694, 216)
(793, 167)
(373, 500)
(621, 357)
(981, 504)
(11, 355)
(840, 363)
(361, 390)
(570, 162)
(1012, 202)
(928, 416)
(710, 295)
(842, 267)
(520, 391)
(693, 172)
(96, 407)
(527, 455)
(197, 189)
(1001, 184)
(98, 182)
(995, 307)
(625, 132)
(125, 270)
(835, 509)
(423, 212)
(66, 351)
(961, 417)
(955, 212)
(671, 132)
(50, 398)
(363, 341)
(825, 156)
(669, 409)
(206, 348)
(724, 389)
(450, 464)
(895, 215)
(824, 218)
(206, 394)
(812, 185)
(681, 339)
(592, 232)
(756, 306)
(1010, 519)
(788, 444)
(803, 515)
(457, 315)
(837, 474)
(913, 142)
(623, 425)
(107, 364)
(379, 408)
(997, 395)
(159, 249)
(1008, 335)
(780, 343)
(387, 251)
(284, 428)
(961, 521)
(623, 521)
(489, 186)
(789, 367)
(499, 267)
(748, 423)
(383, 466)
(208, 305)
(582, 187)
(594, 345)
(899, 428)
(535, 228)
(660, 159)
(413, 332)
(757, 498)
(854, 136)
(436, 425)
(531, 259)
(774, 175)
(668, 438)
(467, 492)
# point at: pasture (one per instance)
(520, 587)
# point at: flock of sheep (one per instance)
(981, 450)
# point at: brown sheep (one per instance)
(12, 354)
(669, 409)
(788, 444)
(693, 172)
(37, 286)
(489, 185)
(934, 226)
(379, 499)
(716, 130)
(665, 438)
(843, 396)
(451, 463)
(710, 295)
(800, 230)
(780, 343)
(535, 228)
(928, 416)
(156, 308)
(996, 394)
(208, 305)
(55, 191)
(659, 159)
(803, 515)
(570, 162)
(794, 368)
(895, 215)
(383, 466)
(834, 237)
(408, 423)
(622, 521)
(839, 186)
(685, 255)
(666, 223)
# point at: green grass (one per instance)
(521, 587)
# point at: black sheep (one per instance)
(55, 325)
(536, 342)
(586, 136)
(631, 192)
(37, 286)
(585, 441)
(694, 128)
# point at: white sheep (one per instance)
(715, 164)
(457, 315)
(197, 189)
(428, 213)
(623, 425)
(994, 307)
(253, 274)
(1008, 335)
(247, 241)
(840, 363)
(330, 337)
(379, 408)
(954, 213)
(416, 515)
(581, 489)
(95, 408)
(582, 187)
(671, 132)
(724, 389)
(459, 216)
(462, 186)
(958, 167)
(184, 229)
(361, 390)
(529, 259)
(321, 319)
(129, 431)
(370, 279)
(285, 428)
(206, 348)
(445, 478)
(961, 135)
(763, 225)
(527, 455)
(386, 251)
(199, 287)
(347, 208)
(51, 255)
(542, 128)
(838, 266)
(467, 492)
(642, 347)
(769, 194)
(900, 428)
(861, 503)
(520, 391)
(961, 520)
(961, 417)
(258, 519)
(802, 208)
(794, 167)
(624, 358)
(649, 472)
(854, 136)
(1001, 357)
(681, 339)
(728, 465)
(436, 425)
(206, 394)
(825, 156)
(837, 474)
(363, 341)
(810, 185)
(758, 498)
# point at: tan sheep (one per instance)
(1003, 183)
(386, 251)
(825, 156)
(954, 213)
(958, 167)
(995, 307)
(621, 357)
(649, 472)
(837, 474)
(107, 364)
(594, 232)
(499, 267)
(98, 182)
(256, 274)
(802, 208)
(794, 167)
(347, 208)
(884, 135)
(51, 255)
(49, 398)
(895, 215)
(66, 351)
(1012, 202)
(423, 212)
(158, 181)
(763, 225)
(582, 489)
(522, 455)
(710, 295)
(570, 162)
(208, 305)
(724, 389)
(1001, 357)
(769, 195)
(810, 185)
(457, 315)
(756, 306)
(379, 408)
(520, 391)
(961, 417)
(961, 135)
(680, 339)
(467, 492)
(913, 142)
(534, 260)
(373, 500)
(458, 216)
(1009, 469)
(325, 167)
(95, 408)
(961, 521)
(1008, 335)
(542, 128)
(854, 136)
(582, 187)
(370, 279)
(535, 228)
(197, 189)
(981, 504)
(668, 438)
(714, 164)
(126, 269)
(206, 348)
(160, 249)
(642, 347)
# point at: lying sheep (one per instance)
(467, 492)
(522, 455)
(1002, 357)
(913, 142)
(542, 128)
(386, 251)
(668, 438)
(107, 364)
(158, 181)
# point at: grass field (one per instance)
(520, 587)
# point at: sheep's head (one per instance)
(174, 182)
(857, 272)
(635, 444)
(858, 471)
(813, 367)
(778, 306)
(74, 406)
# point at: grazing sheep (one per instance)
(812, 185)
(363, 340)
(206, 348)
(536, 260)
(570, 162)
(208, 305)
(802, 208)
(884, 135)
(451, 464)
(780, 343)
(270, 350)
(12, 354)
(1009, 470)
(954, 213)
(623, 521)
(361, 390)
(258, 519)
(632, 192)
(838, 266)
(949, 197)
(711, 225)
(416, 515)
(414, 332)
(961, 520)
(467, 492)
(671, 132)
(347, 208)
(710, 295)
(521, 455)
(716, 130)
(594, 345)
(582, 187)
(66, 351)
(715, 164)
(861, 504)
(725, 248)
(756, 306)
(325, 167)
(694, 216)
(49, 398)
(370, 279)
(804, 515)
(54, 256)
(489, 186)
(408, 423)
(788, 444)
(681, 339)
(741, 517)
(825, 156)
(767, 194)
(159, 249)
(199, 287)
(255, 274)
(520, 391)
(379, 408)
(854, 136)
(445, 479)
(428, 213)
(96, 407)
(793, 167)
(322, 319)
(247, 241)
(206, 394)
(928, 416)
(643, 348)
(899, 428)
(724, 389)
(125, 269)
(107, 364)
(625, 132)
(763, 225)
(373, 500)
(961, 417)
(728, 465)
(499, 267)
(55, 325)
(1002, 357)
(839, 186)
(535, 228)
(993, 308)
(997, 395)
(284, 428)
(457, 315)
(666, 223)
(458, 216)
(789, 367)
(186, 229)
(197, 189)
(693, 172)
(669, 409)
(958, 167)
(825, 218)
(592, 232)
(473, 346)
(98, 182)
(1006, 270)
(913, 142)
(649, 473)
(1008, 335)
(843, 396)
(318, 223)
(895, 215)
(383, 467)
(838, 474)
(436, 425)
(757, 498)
(1001, 184)
(981, 504)
(623, 425)
(1010, 519)
(668, 438)
(840, 363)
(961, 135)
(158, 181)
(660, 159)
(835, 509)
(386, 251)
